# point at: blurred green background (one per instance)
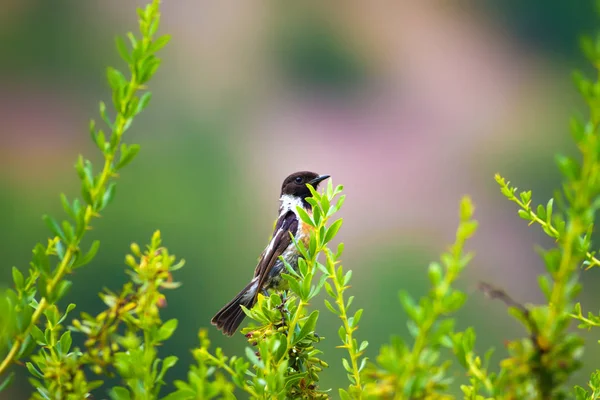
(410, 105)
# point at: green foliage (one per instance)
(404, 371)
(35, 294)
(129, 352)
(283, 359)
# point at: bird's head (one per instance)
(295, 184)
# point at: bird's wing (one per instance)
(281, 239)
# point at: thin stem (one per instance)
(349, 330)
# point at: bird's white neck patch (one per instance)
(289, 202)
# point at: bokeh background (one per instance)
(409, 104)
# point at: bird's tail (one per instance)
(231, 315)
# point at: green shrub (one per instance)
(283, 356)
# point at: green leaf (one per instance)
(308, 327)
(70, 308)
(26, 348)
(363, 363)
(105, 118)
(344, 395)
(294, 284)
(582, 394)
(143, 103)
(61, 290)
(304, 216)
(65, 342)
(54, 227)
(289, 267)
(17, 278)
(363, 345)
(7, 382)
(302, 267)
(346, 365)
(122, 49)
(40, 258)
(100, 139)
(317, 216)
(347, 277)
(329, 289)
(312, 245)
(338, 205)
(541, 212)
(89, 256)
(159, 43)
(333, 230)
(132, 40)
(38, 335)
(525, 197)
(324, 204)
(119, 393)
(549, 210)
(568, 166)
(330, 307)
(109, 194)
(166, 330)
(279, 347)
(356, 318)
(67, 206)
(342, 334)
(115, 78)
(349, 303)
(52, 314)
(524, 214)
(128, 153)
(435, 273)
(181, 394)
(69, 231)
(167, 364)
(33, 370)
(60, 250)
(253, 358)
(409, 306)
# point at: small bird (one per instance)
(267, 274)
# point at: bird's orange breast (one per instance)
(304, 231)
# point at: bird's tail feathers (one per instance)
(229, 318)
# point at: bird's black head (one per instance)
(295, 184)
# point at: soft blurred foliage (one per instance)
(409, 105)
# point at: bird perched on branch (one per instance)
(267, 274)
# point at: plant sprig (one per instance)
(552, 224)
(403, 371)
(541, 364)
(97, 190)
(121, 340)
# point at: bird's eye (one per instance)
(298, 179)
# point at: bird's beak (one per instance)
(318, 180)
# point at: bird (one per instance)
(267, 274)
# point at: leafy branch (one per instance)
(120, 340)
(97, 190)
(552, 225)
(541, 364)
(405, 372)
